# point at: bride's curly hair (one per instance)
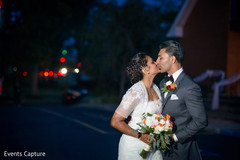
(134, 67)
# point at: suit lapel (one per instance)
(178, 81)
(166, 99)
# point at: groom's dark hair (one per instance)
(173, 48)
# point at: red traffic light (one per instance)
(62, 59)
(24, 74)
(79, 64)
(50, 73)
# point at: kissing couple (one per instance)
(183, 103)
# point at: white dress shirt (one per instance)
(175, 76)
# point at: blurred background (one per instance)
(60, 44)
(63, 61)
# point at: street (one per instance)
(76, 133)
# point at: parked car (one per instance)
(73, 94)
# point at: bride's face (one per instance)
(151, 67)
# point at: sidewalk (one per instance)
(224, 127)
(216, 123)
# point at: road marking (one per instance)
(74, 120)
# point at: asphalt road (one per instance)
(74, 133)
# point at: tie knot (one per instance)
(169, 78)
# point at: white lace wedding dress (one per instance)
(134, 103)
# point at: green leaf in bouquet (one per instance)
(161, 137)
(158, 143)
(170, 131)
(163, 146)
(154, 145)
(140, 123)
(167, 140)
(149, 130)
(149, 114)
(135, 131)
(144, 131)
(144, 154)
(152, 137)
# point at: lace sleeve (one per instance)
(129, 101)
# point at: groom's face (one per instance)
(163, 61)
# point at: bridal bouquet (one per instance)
(159, 127)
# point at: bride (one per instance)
(143, 96)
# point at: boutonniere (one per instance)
(169, 87)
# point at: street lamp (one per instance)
(76, 70)
(64, 70)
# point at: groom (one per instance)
(184, 103)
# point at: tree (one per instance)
(116, 33)
(33, 32)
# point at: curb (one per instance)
(227, 132)
(232, 133)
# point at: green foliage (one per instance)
(144, 154)
(149, 114)
(158, 143)
(117, 33)
(106, 37)
(152, 137)
(38, 31)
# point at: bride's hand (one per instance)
(146, 139)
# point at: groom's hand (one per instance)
(146, 139)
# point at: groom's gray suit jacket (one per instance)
(185, 106)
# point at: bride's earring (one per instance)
(144, 71)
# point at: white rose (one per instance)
(169, 83)
(168, 123)
(147, 147)
(162, 122)
(155, 122)
(166, 128)
(158, 129)
(154, 115)
(149, 121)
(156, 132)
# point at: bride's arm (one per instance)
(118, 122)
(129, 101)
